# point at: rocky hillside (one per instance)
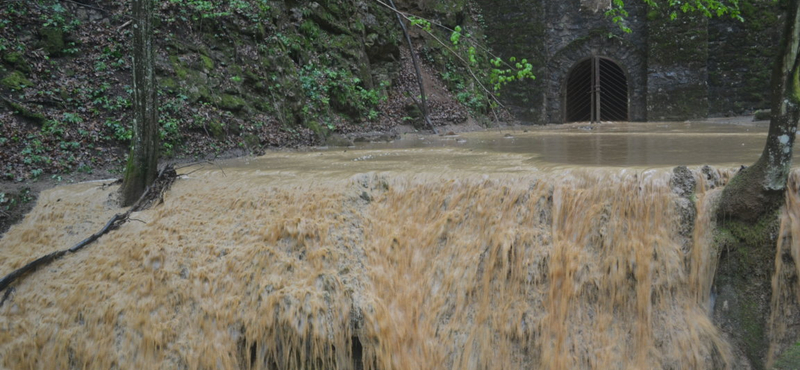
(239, 75)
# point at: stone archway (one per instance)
(596, 90)
(623, 58)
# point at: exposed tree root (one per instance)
(154, 194)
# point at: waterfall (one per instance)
(567, 269)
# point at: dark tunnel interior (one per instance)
(597, 90)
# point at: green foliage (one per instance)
(119, 131)
(500, 76)
(170, 111)
(310, 29)
(709, 8)
(54, 128)
(202, 8)
(456, 36)
(476, 61)
(12, 200)
(55, 16)
(326, 86)
(422, 23)
(195, 10)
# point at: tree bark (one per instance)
(747, 217)
(759, 188)
(142, 166)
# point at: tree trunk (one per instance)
(142, 166)
(759, 188)
(423, 97)
(747, 213)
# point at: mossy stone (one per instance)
(217, 129)
(17, 60)
(762, 115)
(208, 63)
(252, 141)
(178, 67)
(13, 57)
(25, 112)
(169, 84)
(16, 81)
(199, 93)
(52, 40)
(231, 103)
(313, 125)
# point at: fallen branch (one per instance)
(6, 296)
(154, 193)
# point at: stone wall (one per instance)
(576, 35)
(740, 58)
(517, 28)
(686, 68)
(677, 51)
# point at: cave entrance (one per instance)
(596, 90)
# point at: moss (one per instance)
(748, 234)
(231, 103)
(314, 126)
(178, 67)
(17, 60)
(208, 63)
(796, 85)
(133, 177)
(252, 141)
(25, 112)
(790, 359)
(15, 81)
(13, 57)
(264, 106)
(168, 83)
(199, 93)
(217, 129)
(762, 115)
(52, 40)
(750, 315)
(310, 29)
(329, 21)
(743, 275)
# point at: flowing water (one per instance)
(465, 252)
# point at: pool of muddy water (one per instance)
(634, 145)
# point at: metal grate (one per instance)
(597, 90)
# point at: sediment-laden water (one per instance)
(394, 258)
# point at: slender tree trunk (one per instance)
(424, 99)
(142, 166)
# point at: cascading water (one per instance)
(565, 270)
(469, 263)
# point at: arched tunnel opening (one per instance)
(596, 90)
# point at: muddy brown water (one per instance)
(553, 248)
